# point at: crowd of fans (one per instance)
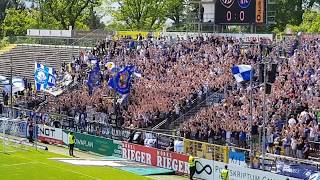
(293, 106)
(171, 71)
(178, 71)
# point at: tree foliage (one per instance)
(68, 12)
(291, 12)
(17, 21)
(175, 10)
(6, 4)
(141, 14)
(310, 23)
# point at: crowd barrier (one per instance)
(108, 141)
(210, 158)
(244, 36)
(135, 34)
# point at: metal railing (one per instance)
(207, 100)
(200, 149)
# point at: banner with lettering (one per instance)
(210, 170)
(96, 144)
(241, 173)
(155, 157)
(299, 171)
(49, 134)
(237, 158)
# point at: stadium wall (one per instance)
(206, 168)
(211, 158)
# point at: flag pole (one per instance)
(264, 115)
(251, 114)
(11, 91)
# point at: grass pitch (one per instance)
(31, 164)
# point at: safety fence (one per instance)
(111, 140)
(163, 151)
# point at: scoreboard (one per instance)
(240, 12)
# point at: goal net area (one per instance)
(13, 134)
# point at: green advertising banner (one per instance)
(95, 144)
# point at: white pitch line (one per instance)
(9, 165)
(76, 172)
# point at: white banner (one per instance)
(204, 169)
(244, 36)
(210, 170)
(50, 134)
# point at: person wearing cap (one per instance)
(225, 173)
(192, 164)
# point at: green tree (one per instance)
(93, 20)
(68, 12)
(17, 21)
(175, 10)
(310, 23)
(288, 12)
(291, 12)
(5, 4)
(140, 14)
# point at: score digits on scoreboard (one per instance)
(236, 11)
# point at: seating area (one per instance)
(24, 55)
(178, 74)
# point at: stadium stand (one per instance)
(24, 55)
(181, 75)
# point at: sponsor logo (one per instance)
(207, 168)
(171, 160)
(130, 152)
(244, 3)
(160, 158)
(41, 76)
(227, 3)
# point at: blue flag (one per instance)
(44, 77)
(241, 72)
(121, 82)
(94, 78)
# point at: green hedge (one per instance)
(4, 42)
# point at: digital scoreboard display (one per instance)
(240, 11)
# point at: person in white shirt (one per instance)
(292, 121)
(294, 143)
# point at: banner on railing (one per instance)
(237, 158)
(96, 144)
(178, 146)
(118, 134)
(163, 142)
(204, 169)
(244, 36)
(155, 157)
(50, 134)
(299, 171)
(210, 170)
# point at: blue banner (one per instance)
(237, 158)
(121, 82)
(299, 171)
(94, 77)
(44, 77)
